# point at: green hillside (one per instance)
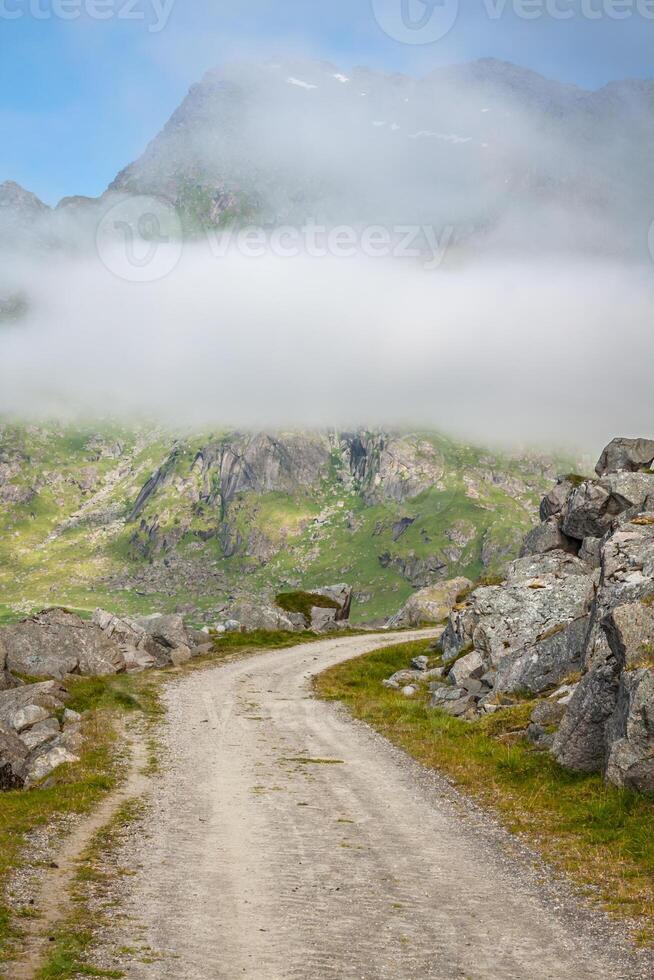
(142, 520)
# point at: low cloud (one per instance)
(501, 351)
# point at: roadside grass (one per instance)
(72, 938)
(73, 789)
(602, 837)
(106, 703)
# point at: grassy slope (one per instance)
(72, 568)
(603, 837)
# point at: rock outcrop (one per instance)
(33, 741)
(57, 642)
(37, 733)
(572, 624)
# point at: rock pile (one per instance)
(37, 732)
(572, 626)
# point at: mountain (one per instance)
(136, 520)
(486, 147)
(504, 157)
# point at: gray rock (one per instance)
(55, 643)
(430, 605)
(590, 551)
(7, 681)
(441, 694)
(48, 695)
(630, 633)
(139, 647)
(547, 662)
(469, 666)
(342, 594)
(548, 713)
(168, 631)
(540, 737)
(630, 733)
(626, 454)
(464, 707)
(13, 760)
(26, 717)
(541, 593)
(593, 507)
(263, 616)
(39, 734)
(580, 742)
(409, 691)
(473, 686)
(555, 501)
(45, 761)
(420, 663)
(548, 536)
(402, 677)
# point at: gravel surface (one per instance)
(284, 840)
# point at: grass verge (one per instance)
(602, 837)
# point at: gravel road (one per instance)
(285, 841)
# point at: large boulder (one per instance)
(548, 536)
(546, 663)
(592, 508)
(430, 605)
(542, 594)
(626, 454)
(580, 742)
(57, 642)
(263, 616)
(169, 631)
(31, 734)
(342, 595)
(618, 642)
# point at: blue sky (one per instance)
(80, 97)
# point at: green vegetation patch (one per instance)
(601, 836)
(304, 602)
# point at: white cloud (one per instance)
(507, 351)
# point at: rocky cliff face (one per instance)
(573, 623)
(203, 522)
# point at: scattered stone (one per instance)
(420, 663)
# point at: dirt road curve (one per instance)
(257, 865)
